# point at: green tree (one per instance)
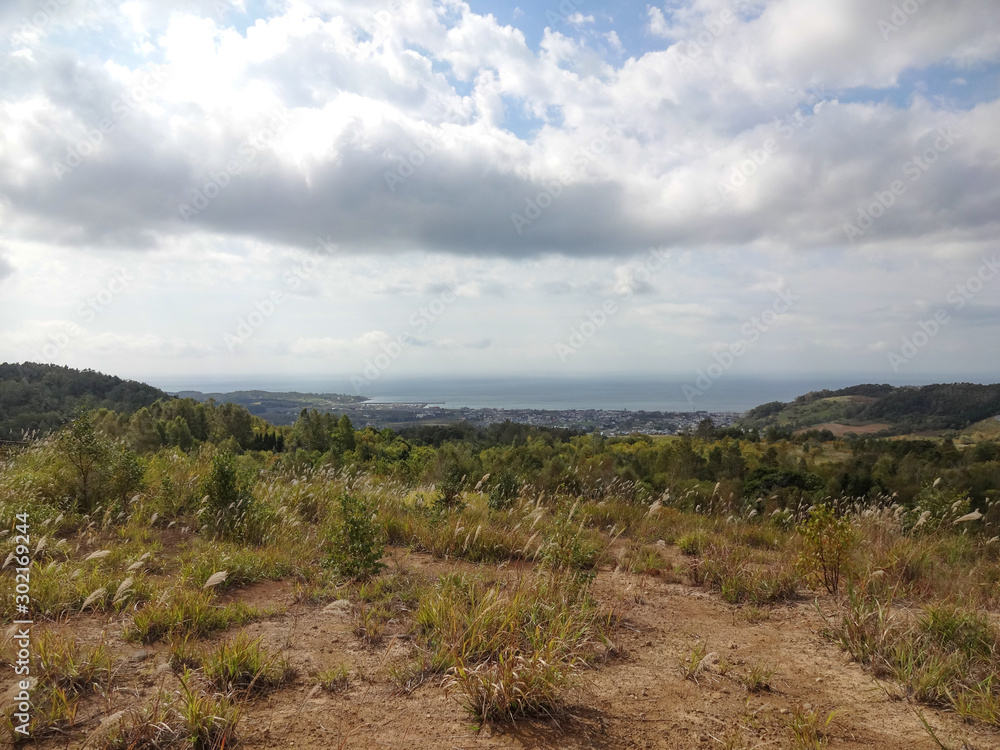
(126, 475)
(179, 433)
(343, 438)
(87, 451)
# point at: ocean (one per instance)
(727, 394)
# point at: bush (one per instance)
(504, 491)
(450, 489)
(827, 543)
(231, 512)
(355, 546)
(936, 507)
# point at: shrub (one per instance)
(935, 507)
(88, 451)
(504, 491)
(827, 543)
(450, 489)
(231, 512)
(355, 547)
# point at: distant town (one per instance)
(284, 408)
(607, 421)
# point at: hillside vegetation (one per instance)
(903, 410)
(199, 578)
(40, 397)
(354, 575)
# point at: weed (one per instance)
(185, 613)
(948, 657)
(207, 721)
(693, 543)
(695, 662)
(514, 684)
(758, 678)
(730, 571)
(243, 667)
(64, 665)
(511, 645)
(336, 679)
(370, 622)
(808, 727)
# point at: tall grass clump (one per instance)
(511, 645)
(182, 613)
(946, 656)
(731, 571)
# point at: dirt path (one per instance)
(640, 700)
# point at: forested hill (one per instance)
(903, 409)
(43, 397)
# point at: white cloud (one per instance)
(411, 139)
(578, 19)
(657, 22)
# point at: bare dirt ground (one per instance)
(639, 700)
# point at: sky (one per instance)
(366, 191)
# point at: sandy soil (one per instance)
(639, 700)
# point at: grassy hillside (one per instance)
(905, 409)
(43, 397)
(201, 579)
